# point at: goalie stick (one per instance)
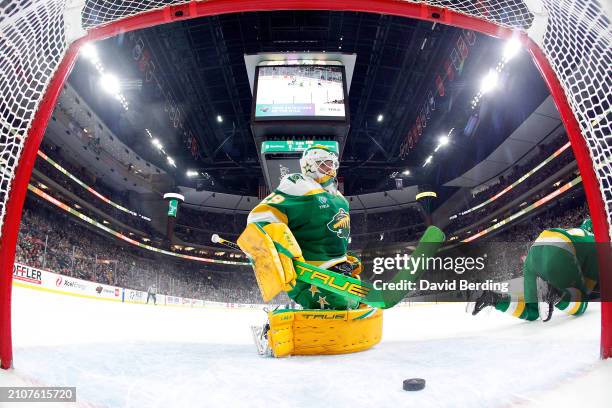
(343, 285)
(356, 289)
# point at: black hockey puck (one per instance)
(414, 384)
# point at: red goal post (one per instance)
(39, 42)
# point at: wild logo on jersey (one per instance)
(340, 224)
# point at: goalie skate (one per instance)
(260, 338)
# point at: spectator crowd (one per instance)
(80, 172)
(55, 241)
(518, 171)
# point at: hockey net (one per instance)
(35, 37)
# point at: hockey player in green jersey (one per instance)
(309, 209)
(566, 260)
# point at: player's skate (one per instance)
(483, 299)
(549, 296)
(260, 337)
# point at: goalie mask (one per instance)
(320, 164)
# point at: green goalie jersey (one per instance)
(318, 217)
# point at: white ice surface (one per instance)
(123, 355)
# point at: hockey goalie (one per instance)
(307, 219)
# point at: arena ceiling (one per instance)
(186, 82)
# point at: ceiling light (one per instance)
(406, 172)
(192, 173)
(171, 161)
(89, 51)
(110, 84)
(157, 143)
(512, 47)
(443, 141)
(380, 118)
(429, 159)
(489, 82)
(219, 118)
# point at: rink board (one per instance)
(43, 280)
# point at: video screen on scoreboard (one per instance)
(300, 92)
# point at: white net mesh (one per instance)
(577, 44)
(31, 47)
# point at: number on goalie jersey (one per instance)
(318, 217)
